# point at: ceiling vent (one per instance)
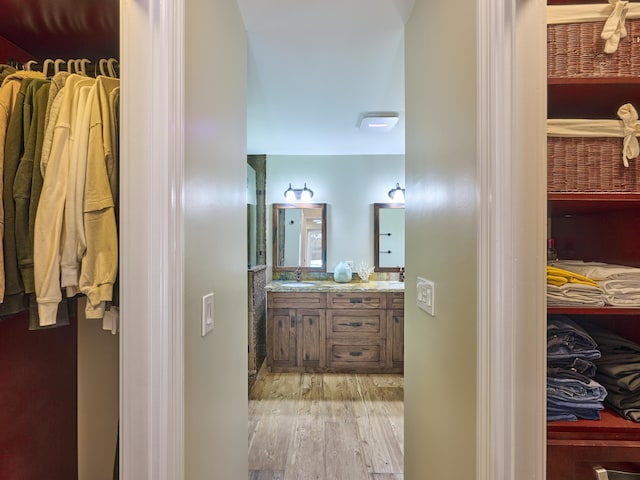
(378, 121)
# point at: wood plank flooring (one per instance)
(326, 426)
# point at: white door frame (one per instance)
(151, 240)
(510, 425)
(511, 428)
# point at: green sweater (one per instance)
(24, 193)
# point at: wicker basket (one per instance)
(590, 165)
(576, 50)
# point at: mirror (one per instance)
(388, 237)
(252, 217)
(300, 236)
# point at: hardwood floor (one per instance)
(326, 427)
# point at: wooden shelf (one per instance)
(610, 423)
(566, 97)
(592, 81)
(593, 311)
(585, 203)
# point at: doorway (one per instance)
(312, 74)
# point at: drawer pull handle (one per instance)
(603, 474)
(293, 321)
(355, 354)
(355, 300)
(355, 324)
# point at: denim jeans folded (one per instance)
(579, 365)
(574, 392)
(566, 339)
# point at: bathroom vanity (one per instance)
(325, 326)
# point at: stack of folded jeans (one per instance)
(618, 370)
(572, 393)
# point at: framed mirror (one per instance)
(300, 236)
(388, 237)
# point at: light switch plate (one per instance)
(426, 295)
(207, 313)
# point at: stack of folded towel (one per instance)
(569, 288)
(620, 283)
(572, 393)
(618, 370)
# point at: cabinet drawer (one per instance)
(395, 300)
(356, 300)
(353, 353)
(356, 322)
(576, 459)
(296, 300)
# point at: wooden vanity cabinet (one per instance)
(295, 330)
(341, 332)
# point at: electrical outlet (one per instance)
(426, 295)
(207, 313)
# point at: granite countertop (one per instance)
(331, 286)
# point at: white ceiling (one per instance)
(316, 66)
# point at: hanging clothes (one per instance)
(100, 259)
(14, 297)
(58, 198)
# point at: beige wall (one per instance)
(97, 398)
(215, 254)
(440, 367)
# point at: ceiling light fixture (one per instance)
(378, 121)
(298, 194)
(397, 194)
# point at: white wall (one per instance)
(441, 221)
(215, 241)
(349, 185)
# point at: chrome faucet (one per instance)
(401, 274)
(298, 274)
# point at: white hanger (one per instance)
(27, 66)
(56, 65)
(111, 64)
(83, 65)
(103, 64)
(45, 66)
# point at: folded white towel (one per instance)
(599, 271)
(622, 301)
(574, 294)
(620, 286)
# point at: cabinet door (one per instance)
(310, 337)
(395, 337)
(281, 337)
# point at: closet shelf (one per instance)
(580, 203)
(593, 311)
(586, 81)
(610, 422)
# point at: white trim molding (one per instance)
(512, 222)
(151, 243)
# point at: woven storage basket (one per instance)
(590, 165)
(576, 50)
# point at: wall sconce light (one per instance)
(397, 194)
(301, 194)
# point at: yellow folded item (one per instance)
(556, 280)
(571, 277)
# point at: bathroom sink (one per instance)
(297, 284)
